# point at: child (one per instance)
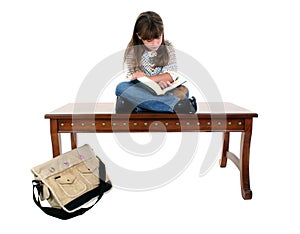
(149, 54)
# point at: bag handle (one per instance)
(61, 213)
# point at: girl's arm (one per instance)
(166, 77)
(164, 80)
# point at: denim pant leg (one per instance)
(144, 99)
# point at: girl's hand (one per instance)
(136, 75)
(164, 84)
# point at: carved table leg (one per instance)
(73, 140)
(223, 160)
(244, 160)
(55, 138)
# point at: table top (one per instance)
(107, 109)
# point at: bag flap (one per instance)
(89, 166)
(63, 161)
(66, 179)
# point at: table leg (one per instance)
(223, 160)
(244, 160)
(55, 138)
(73, 140)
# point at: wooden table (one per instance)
(211, 117)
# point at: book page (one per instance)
(152, 84)
(154, 87)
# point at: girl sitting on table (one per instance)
(149, 54)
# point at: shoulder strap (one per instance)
(62, 214)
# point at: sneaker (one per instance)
(123, 106)
(186, 106)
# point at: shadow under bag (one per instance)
(70, 182)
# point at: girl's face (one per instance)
(152, 45)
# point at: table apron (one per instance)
(151, 125)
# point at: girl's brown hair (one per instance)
(148, 26)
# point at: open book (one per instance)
(154, 87)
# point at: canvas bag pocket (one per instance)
(89, 171)
(68, 184)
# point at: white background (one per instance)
(250, 48)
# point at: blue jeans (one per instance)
(144, 100)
